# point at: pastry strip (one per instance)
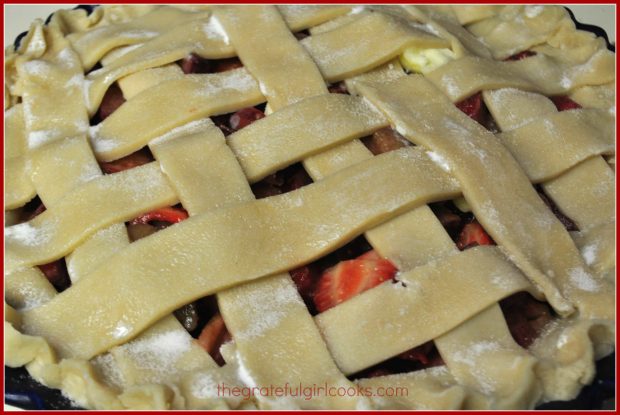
(464, 77)
(461, 41)
(176, 44)
(249, 28)
(428, 389)
(516, 28)
(571, 136)
(364, 44)
(486, 170)
(303, 16)
(207, 159)
(482, 354)
(302, 130)
(585, 191)
(419, 297)
(27, 288)
(283, 314)
(71, 220)
(18, 188)
(192, 98)
(94, 44)
(326, 211)
(49, 81)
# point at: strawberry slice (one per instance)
(564, 103)
(128, 162)
(349, 278)
(167, 214)
(521, 55)
(472, 106)
(473, 234)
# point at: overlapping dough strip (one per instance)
(307, 83)
(263, 315)
(463, 77)
(319, 173)
(18, 186)
(297, 228)
(584, 191)
(258, 293)
(486, 171)
(364, 44)
(177, 102)
(176, 44)
(222, 183)
(496, 371)
(571, 136)
(464, 280)
(94, 44)
(302, 130)
(251, 27)
(58, 230)
(282, 316)
(303, 16)
(47, 83)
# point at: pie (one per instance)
(357, 199)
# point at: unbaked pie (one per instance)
(346, 200)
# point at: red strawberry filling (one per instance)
(245, 117)
(472, 107)
(475, 109)
(521, 55)
(168, 215)
(564, 103)
(136, 159)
